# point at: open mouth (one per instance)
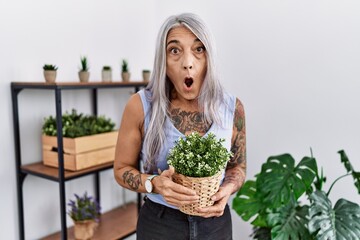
(189, 82)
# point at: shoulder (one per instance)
(134, 109)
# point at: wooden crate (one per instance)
(81, 152)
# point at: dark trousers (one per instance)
(158, 222)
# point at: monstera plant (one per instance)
(272, 202)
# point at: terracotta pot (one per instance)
(84, 230)
(84, 76)
(50, 75)
(125, 76)
(146, 76)
(106, 76)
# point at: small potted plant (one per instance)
(106, 74)
(85, 212)
(50, 72)
(84, 73)
(146, 75)
(199, 163)
(125, 74)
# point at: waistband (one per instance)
(162, 211)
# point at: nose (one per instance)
(188, 61)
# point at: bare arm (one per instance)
(236, 168)
(129, 145)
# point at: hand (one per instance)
(173, 193)
(221, 198)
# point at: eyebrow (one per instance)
(177, 41)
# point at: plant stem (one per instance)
(327, 194)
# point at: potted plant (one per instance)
(50, 72)
(87, 140)
(199, 163)
(84, 73)
(272, 202)
(106, 74)
(85, 212)
(146, 75)
(125, 74)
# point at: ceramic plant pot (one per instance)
(84, 76)
(125, 76)
(106, 75)
(50, 76)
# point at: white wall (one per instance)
(294, 64)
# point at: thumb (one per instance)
(169, 172)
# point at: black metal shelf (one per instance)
(59, 174)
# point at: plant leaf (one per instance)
(289, 222)
(350, 169)
(340, 223)
(279, 180)
(247, 203)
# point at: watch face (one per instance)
(148, 186)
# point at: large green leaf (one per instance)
(340, 223)
(280, 180)
(350, 169)
(290, 222)
(247, 203)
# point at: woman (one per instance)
(183, 96)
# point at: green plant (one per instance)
(197, 156)
(125, 66)
(50, 67)
(77, 125)
(84, 208)
(84, 64)
(146, 71)
(106, 68)
(272, 202)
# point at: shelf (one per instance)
(115, 224)
(76, 85)
(52, 173)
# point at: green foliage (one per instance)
(84, 64)
(340, 223)
(197, 156)
(107, 68)
(50, 67)
(77, 125)
(125, 66)
(272, 202)
(84, 208)
(146, 71)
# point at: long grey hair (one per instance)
(211, 93)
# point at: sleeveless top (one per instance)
(226, 113)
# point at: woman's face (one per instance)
(185, 62)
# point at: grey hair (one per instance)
(211, 93)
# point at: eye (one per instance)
(174, 50)
(200, 49)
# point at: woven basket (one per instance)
(205, 187)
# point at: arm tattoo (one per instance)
(236, 168)
(189, 121)
(134, 181)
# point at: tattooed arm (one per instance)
(129, 146)
(236, 168)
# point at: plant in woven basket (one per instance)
(77, 125)
(271, 201)
(196, 156)
(85, 212)
(199, 163)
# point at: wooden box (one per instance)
(81, 152)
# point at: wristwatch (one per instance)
(148, 184)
